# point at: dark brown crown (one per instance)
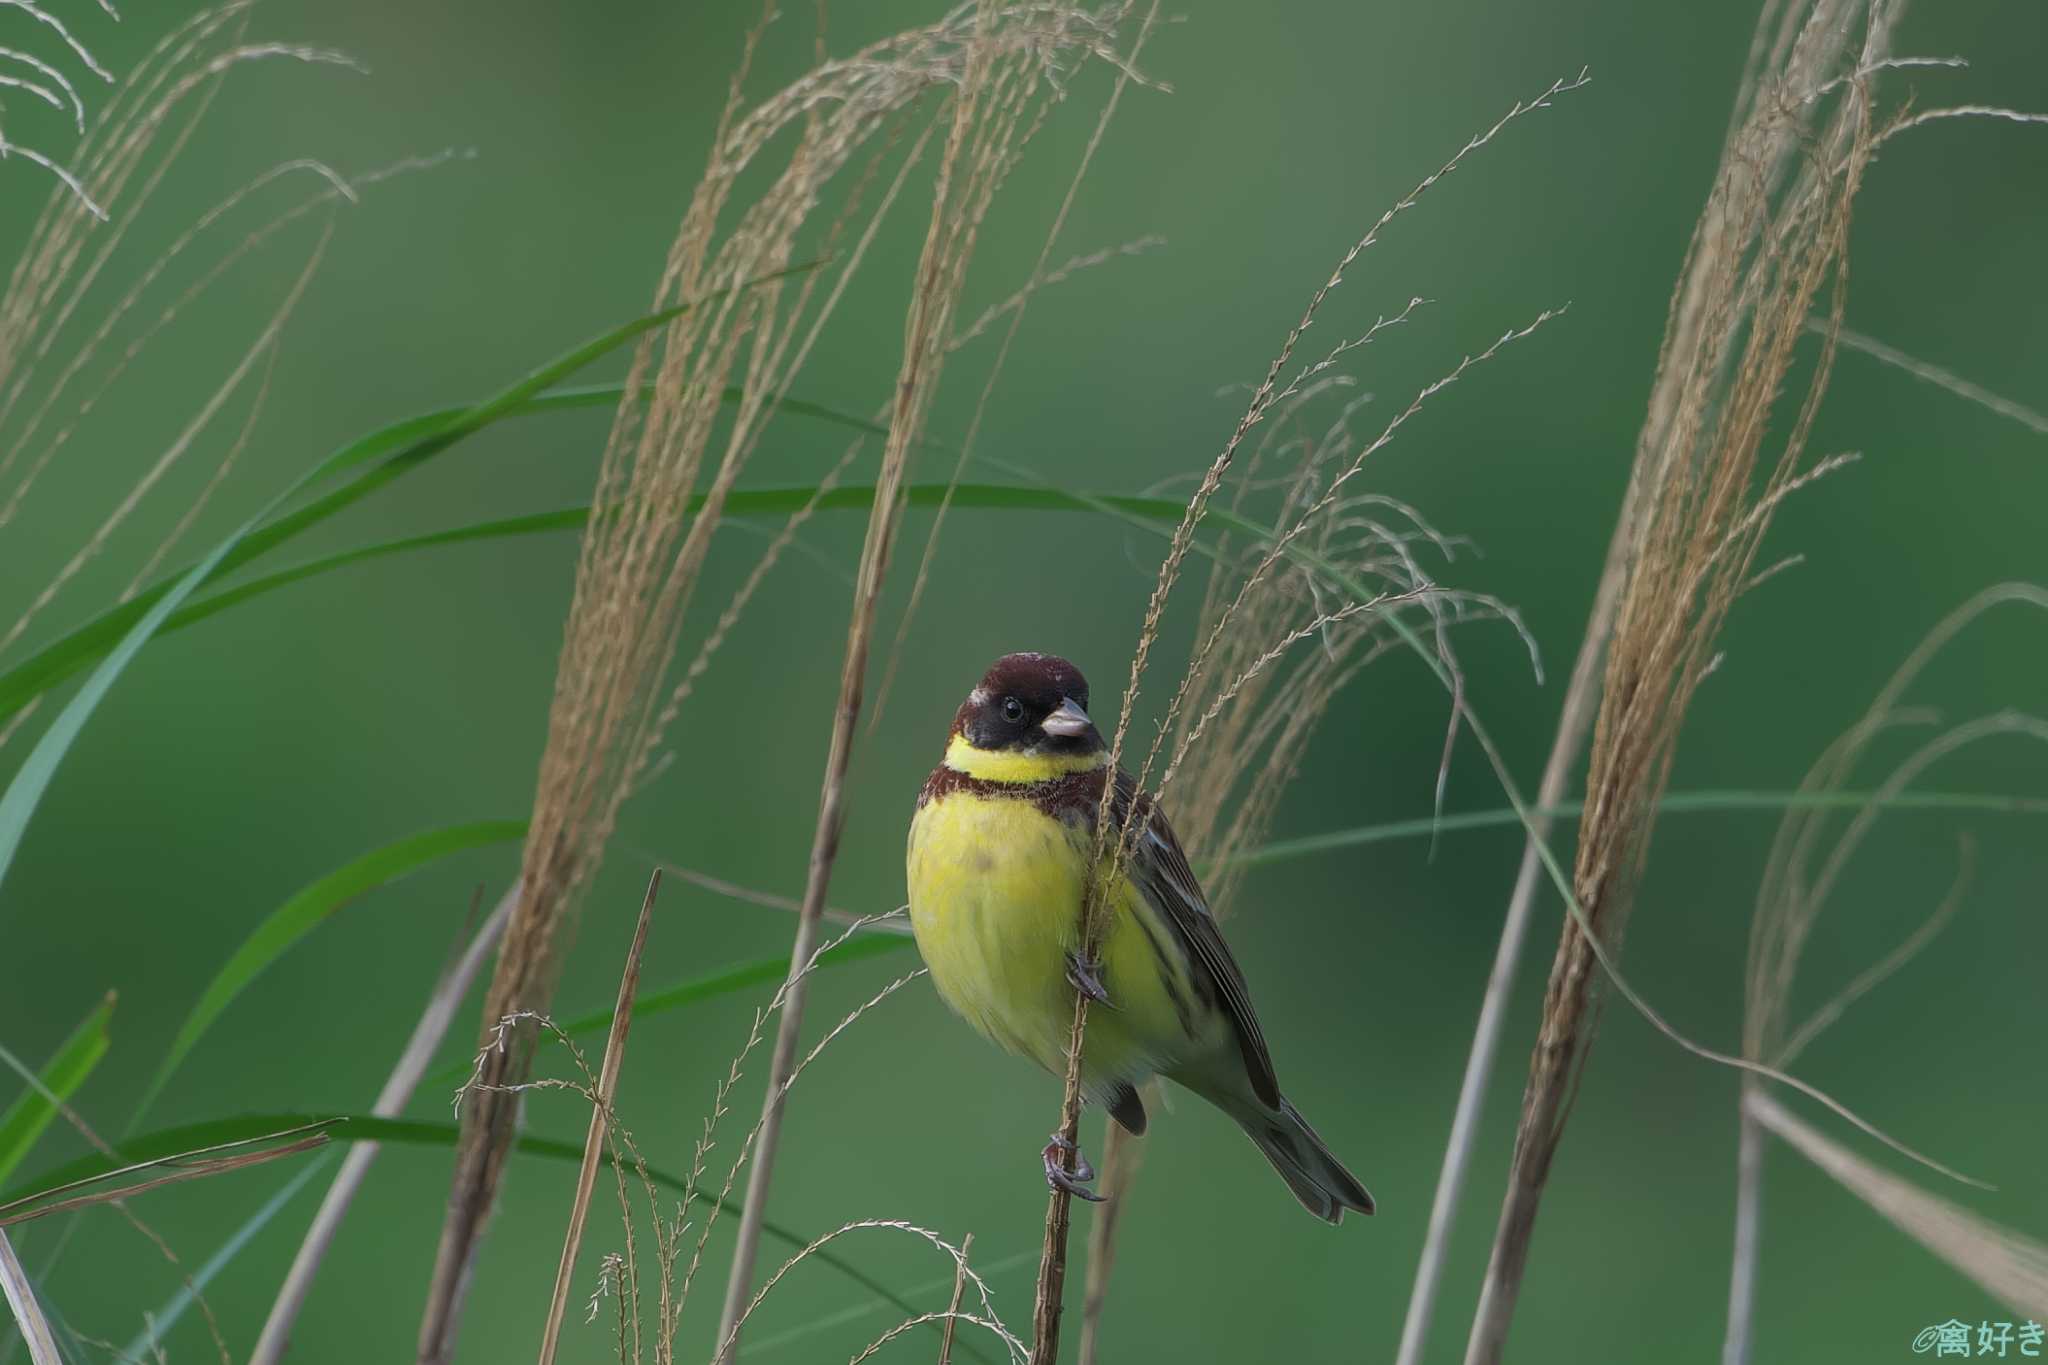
(1036, 680)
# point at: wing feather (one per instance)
(1159, 868)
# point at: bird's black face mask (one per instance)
(1033, 704)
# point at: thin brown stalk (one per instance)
(1122, 1154)
(1049, 1295)
(996, 84)
(19, 1211)
(594, 1141)
(58, 1104)
(1773, 236)
(953, 1305)
(412, 1065)
(28, 1314)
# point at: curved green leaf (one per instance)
(415, 442)
(31, 1113)
(401, 447)
(304, 912)
(399, 1132)
(67, 655)
(25, 792)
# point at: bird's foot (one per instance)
(1074, 1182)
(1081, 975)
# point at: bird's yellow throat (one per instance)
(1009, 765)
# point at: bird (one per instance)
(1000, 855)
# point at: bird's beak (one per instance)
(1068, 721)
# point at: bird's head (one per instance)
(1026, 721)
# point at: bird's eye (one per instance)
(1013, 710)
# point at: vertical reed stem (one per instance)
(600, 1125)
(1749, 1214)
(1572, 725)
(28, 1314)
(1052, 1256)
(953, 1307)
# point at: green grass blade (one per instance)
(144, 1346)
(25, 792)
(31, 1113)
(1680, 802)
(397, 1132)
(76, 651)
(73, 652)
(304, 912)
(428, 436)
(401, 447)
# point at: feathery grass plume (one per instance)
(153, 114)
(1258, 684)
(1800, 874)
(49, 83)
(1011, 68)
(47, 309)
(1772, 237)
(640, 556)
(1338, 570)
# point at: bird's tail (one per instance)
(1308, 1166)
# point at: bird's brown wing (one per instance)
(1159, 869)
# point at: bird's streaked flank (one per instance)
(999, 860)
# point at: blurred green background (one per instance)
(240, 760)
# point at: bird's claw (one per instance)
(1081, 975)
(1074, 1182)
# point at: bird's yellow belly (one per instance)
(995, 894)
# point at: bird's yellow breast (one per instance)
(995, 895)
